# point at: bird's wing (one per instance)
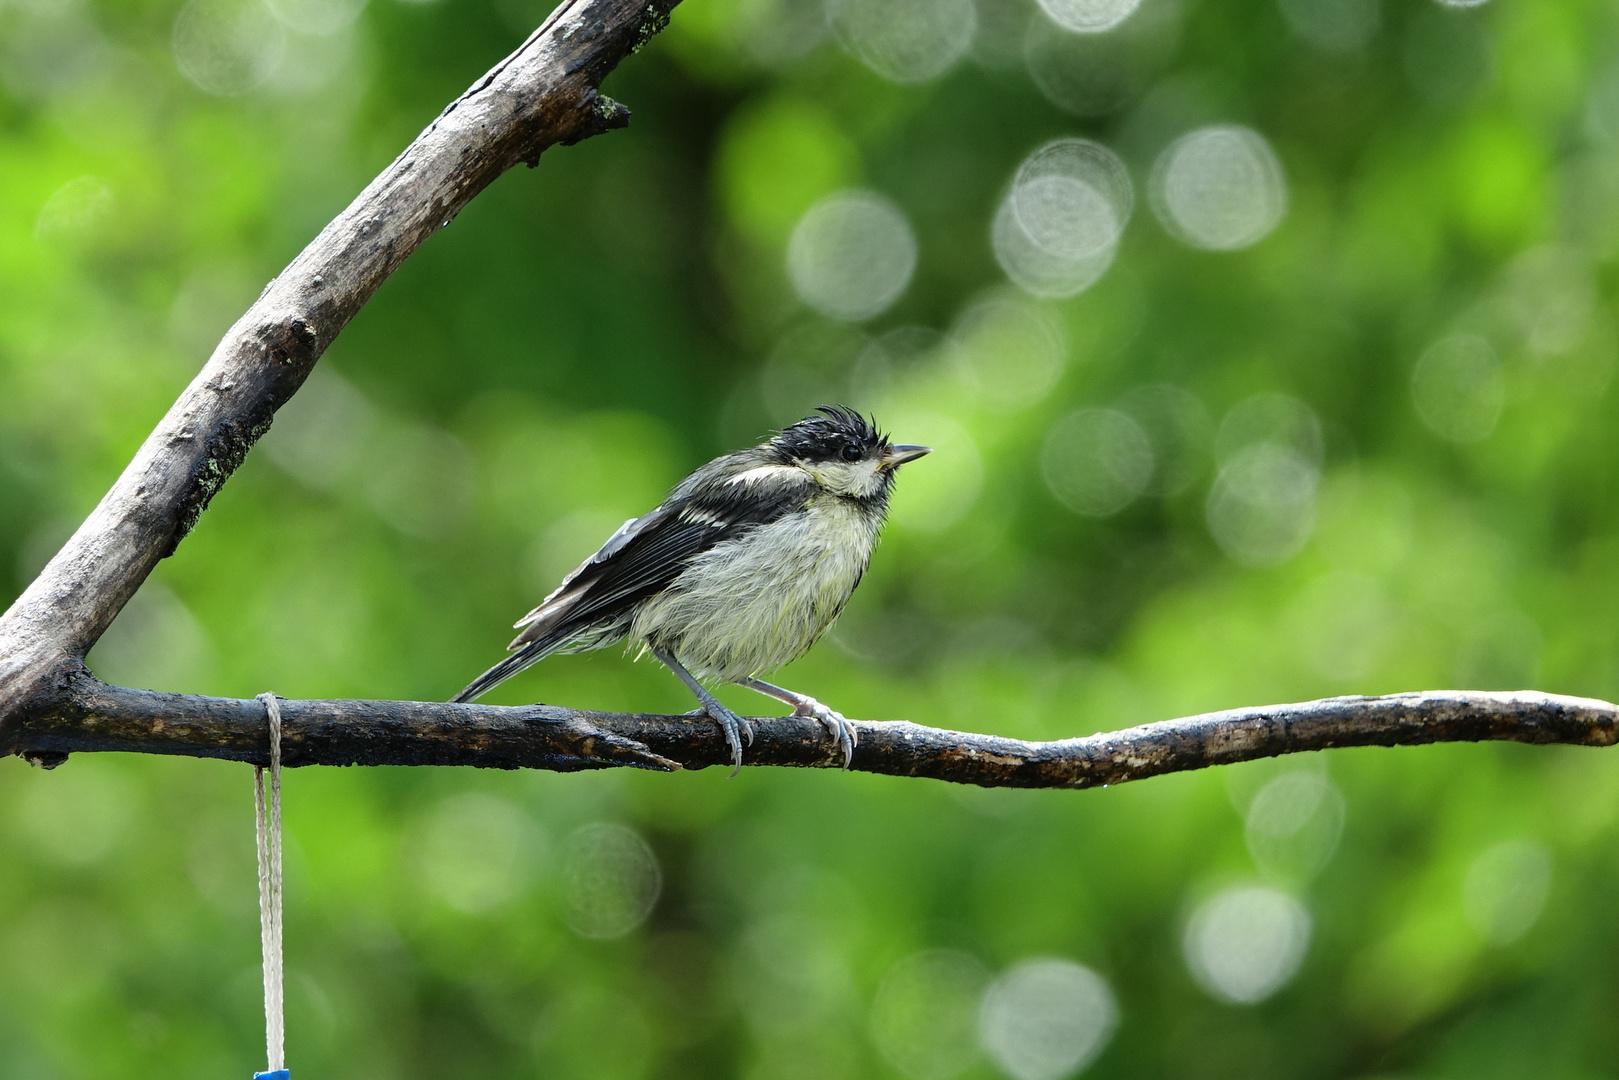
(615, 543)
(649, 552)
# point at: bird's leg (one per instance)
(842, 732)
(735, 727)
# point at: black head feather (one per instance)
(837, 433)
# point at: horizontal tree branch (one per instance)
(88, 716)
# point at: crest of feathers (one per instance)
(824, 436)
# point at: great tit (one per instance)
(739, 571)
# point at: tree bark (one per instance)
(87, 716)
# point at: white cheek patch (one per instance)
(856, 478)
(865, 476)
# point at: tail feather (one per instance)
(526, 657)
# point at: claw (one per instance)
(734, 727)
(837, 725)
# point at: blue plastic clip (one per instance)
(279, 1074)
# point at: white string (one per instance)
(269, 836)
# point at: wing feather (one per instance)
(615, 543)
(649, 552)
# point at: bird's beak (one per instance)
(898, 454)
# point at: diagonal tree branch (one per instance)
(544, 93)
(90, 716)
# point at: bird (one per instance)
(740, 570)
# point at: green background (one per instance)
(587, 332)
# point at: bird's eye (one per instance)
(851, 452)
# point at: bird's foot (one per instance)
(736, 729)
(837, 725)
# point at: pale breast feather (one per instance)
(754, 603)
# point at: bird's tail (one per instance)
(526, 657)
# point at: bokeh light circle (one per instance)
(1089, 16)
(227, 47)
(1457, 388)
(1073, 197)
(1046, 1019)
(1097, 461)
(1246, 943)
(611, 880)
(905, 41)
(1220, 188)
(1065, 217)
(1293, 825)
(1035, 270)
(1057, 229)
(851, 255)
(1262, 506)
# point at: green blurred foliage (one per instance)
(1436, 304)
